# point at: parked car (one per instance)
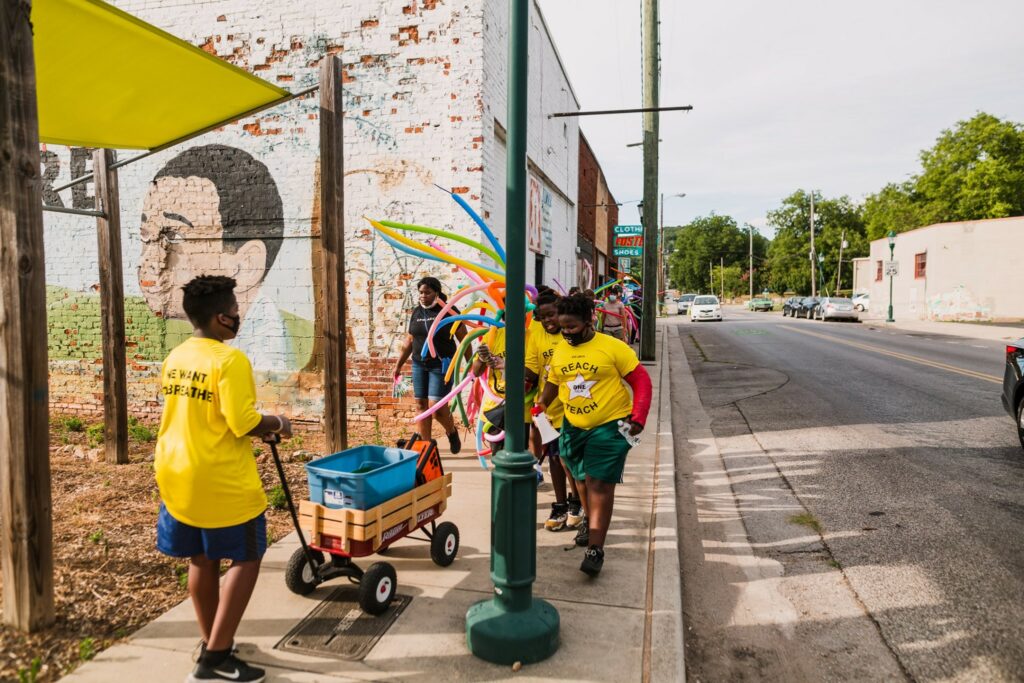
(861, 302)
(805, 308)
(790, 305)
(683, 303)
(1013, 385)
(759, 303)
(705, 308)
(834, 308)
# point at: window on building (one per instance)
(920, 264)
(878, 272)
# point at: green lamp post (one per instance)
(892, 249)
(513, 626)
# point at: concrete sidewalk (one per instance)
(990, 332)
(624, 626)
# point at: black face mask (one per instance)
(236, 322)
(575, 338)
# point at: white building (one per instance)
(970, 270)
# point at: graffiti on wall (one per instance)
(959, 304)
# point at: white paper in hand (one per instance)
(547, 432)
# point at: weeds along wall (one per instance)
(243, 200)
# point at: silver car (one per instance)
(835, 308)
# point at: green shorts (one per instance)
(599, 453)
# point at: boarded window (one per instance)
(878, 272)
(920, 264)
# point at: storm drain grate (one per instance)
(337, 627)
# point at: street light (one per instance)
(892, 248)
(661, 245)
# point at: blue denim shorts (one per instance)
(428, 382)
(244, 542)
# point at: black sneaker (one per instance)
(593, 560)
(231, 669)
(575, 516)
(454, 442)
(559, 513)
(200, 650)
(583, 535)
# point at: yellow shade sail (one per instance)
(107, 79)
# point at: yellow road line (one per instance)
(901, 356)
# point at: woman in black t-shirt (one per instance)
(428, 373)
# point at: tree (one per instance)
(705, 242)
(789, 253)
(974, 171)
(895, 207)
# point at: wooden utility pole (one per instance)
(839, 266)
(649, 305)
(108, 232)
(721, 276)
(26, 527)
(750, 272)
(332, 254)
(814, 256)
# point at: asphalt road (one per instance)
(896, 446)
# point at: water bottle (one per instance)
(624, 426)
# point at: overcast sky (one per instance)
(790, 94)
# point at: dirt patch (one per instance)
(108, 578)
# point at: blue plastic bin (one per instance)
(361, 477)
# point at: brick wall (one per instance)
(597, 212)
(419, 111)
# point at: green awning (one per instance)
(107, 79)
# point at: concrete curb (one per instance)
(664, 652)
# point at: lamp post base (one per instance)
(499, 636)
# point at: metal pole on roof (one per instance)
(513, 626)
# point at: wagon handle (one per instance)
(272, 439)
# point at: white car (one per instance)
(705, 308)
(861, 302)
(834, 308)
(683, 303)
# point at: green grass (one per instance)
(96, 435)
(87, 649)
(806, 519)
(835, 564)
(31, 674)
(295, 443)
(276, 499)
(73, 424)
(139, 431)
(181, 575)
(97, 537)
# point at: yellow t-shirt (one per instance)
(589, 379)
(540, 348)
(204, 463)
(496, 378)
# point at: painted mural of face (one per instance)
(182, 237)
(211, 210)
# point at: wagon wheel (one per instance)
(444, 545)
(377, 588)
(301, 578)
